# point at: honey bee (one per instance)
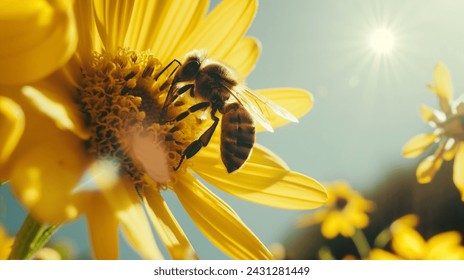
(216, 86)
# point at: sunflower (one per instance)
(82, 89)
(408, 244)
(448, 133)
(345, 211)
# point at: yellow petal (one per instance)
(297, 101)
(11, 129)
(218, 221)
(37, 38)
(89, 42)
(56, 102)
(418, 144)
(408, 243)
(172, 22)
(221, 30)
(262, 179)
(312, 218)
(123, 198)
(138, 233)
(446, 253)
(167, 227)
(428, 114)
(444, 241)
(427, 168)
(89, 38)
(44, 175)
(346, 228)
(210, 152)
(43, 152)
(451, 148)
(143, 20)
(103, 226)
(160, 25)
(357, 218)
(409, 220)
(458, 170)
(364, 204)
(445, 246)
(6, 242)
(379, 254)
(113, 18)
(332, 225)
(443, 86)
(244, 56)
(45, 167)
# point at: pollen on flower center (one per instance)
(122, 95)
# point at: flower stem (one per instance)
(383, 238)
(324, 253)
(361, 243)
(31, 237)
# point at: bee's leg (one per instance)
(193, 109)
(184, 89)
(172, 95)
(201, 142)
(166, 68)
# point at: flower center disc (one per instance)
(341, 203)
(122, 95)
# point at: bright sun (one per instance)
(382, 41)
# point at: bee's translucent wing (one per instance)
(251, 107)
(262, 109)
(269, 104)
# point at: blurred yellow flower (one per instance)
(408, 244)
(448, 132)
(81, 94)
(6, 242)
(345, 211)
(47, 254)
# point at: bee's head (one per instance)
(191, 66)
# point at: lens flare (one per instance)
(382, 41)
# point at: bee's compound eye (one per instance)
(190, 69)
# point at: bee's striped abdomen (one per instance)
(237, 136)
